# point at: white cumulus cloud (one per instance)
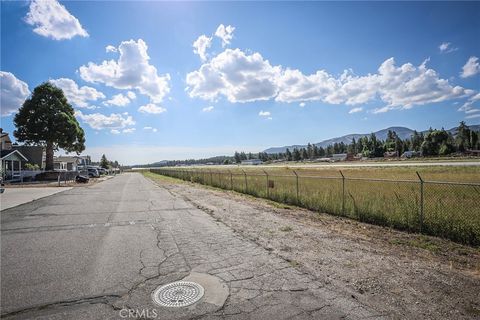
(115, 131)
(446, 47)
(100, 121)
(235, 75)
(225, 33)
(471, 68)
(52, 20)
(78, 96)
(118, 100)
(13, 93)
(132, 70)
(151, 108)
(241, 77)
(201, 45)
(208, 109)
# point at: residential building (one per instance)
(5, 142)
(12, 165)
(67, 163)
(11, 160)
(36, 155)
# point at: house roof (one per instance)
(8, 153)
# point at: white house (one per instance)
(12, 165)
(67, 163)
(11, 159)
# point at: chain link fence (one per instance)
(445, 209)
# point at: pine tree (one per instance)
(104, 162)
(47, 119)
(288, 155)
(462, 139)
(296, 155)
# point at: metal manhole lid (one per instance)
(178, 294)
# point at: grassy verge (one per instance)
(446, 210)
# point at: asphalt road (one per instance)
(95, 252)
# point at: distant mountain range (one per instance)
(402, 132)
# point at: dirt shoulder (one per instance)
(402, 275)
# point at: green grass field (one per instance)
(389, 196)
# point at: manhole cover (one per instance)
(178, 294)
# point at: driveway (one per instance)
(99, 251)
(13, 197)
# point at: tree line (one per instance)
(431, 143)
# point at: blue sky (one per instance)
(274, 74)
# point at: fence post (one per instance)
(343, 192)
(58, 178)
(246, 184)
(268, 191)
(421, 200)
(296, 178)
(211, 178)
(231, 179)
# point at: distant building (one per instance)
(252, 162)
(84, 160)
(339, 157)
(411, 154)
(67, 163)
(5, 142)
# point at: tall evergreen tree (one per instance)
(462, 139)
(296, 155)
(47, 119)
(104, 162)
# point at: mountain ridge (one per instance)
(402, 132)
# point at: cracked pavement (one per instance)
(91, 252)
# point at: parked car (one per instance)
(81, 179)
(2, 189)
(93, 173)
(102, 171)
